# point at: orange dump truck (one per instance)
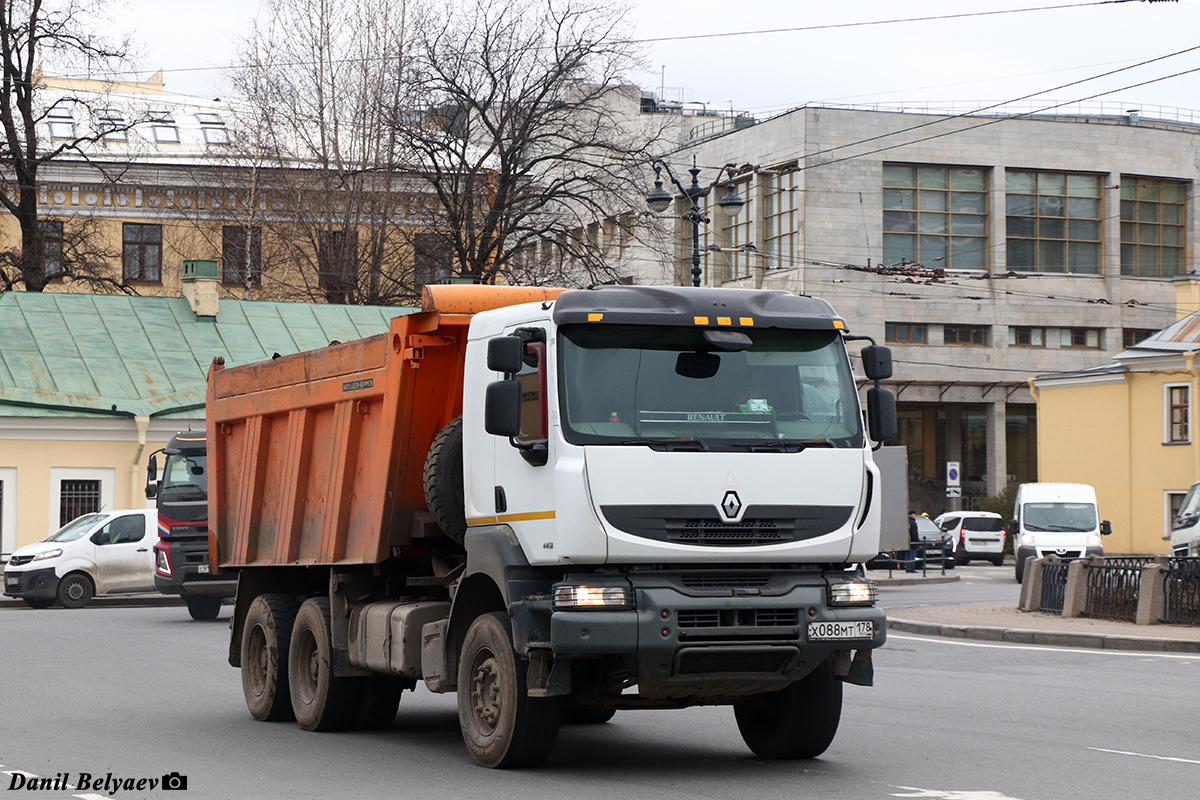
(558, 504)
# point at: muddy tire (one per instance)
(266, 636)
(501, 724)
(444, 480)
(320, 701)
(797, 722)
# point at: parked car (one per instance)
(974, 535)
(110, 551)
(929, 533)
(1058, 518)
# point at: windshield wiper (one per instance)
(668, 445)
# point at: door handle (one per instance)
(143, 549)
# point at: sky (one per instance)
(771, 66)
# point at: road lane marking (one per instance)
(1145, 755)
(938, 794)
(1142, 654)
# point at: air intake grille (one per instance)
(714, 582)
(738, 618)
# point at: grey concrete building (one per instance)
(983, 249)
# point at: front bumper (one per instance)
(688, 643)
(188, 558)
(31, 583)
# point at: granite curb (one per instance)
(1047, 638)
(111, 601)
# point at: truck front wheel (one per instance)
(501, 725)
(202, 607)
(797, 722)
(320, 701)
(266, 635)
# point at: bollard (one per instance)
(1152, 594)
(1075, 596)
(1031, 586)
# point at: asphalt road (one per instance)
(140, 692)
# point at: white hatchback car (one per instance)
(110, 551)
(975, 535)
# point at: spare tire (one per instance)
(444, 480)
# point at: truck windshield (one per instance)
(1189, 512)
(676, 388)
(185, 478)
(1069, 517)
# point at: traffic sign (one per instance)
(953, 491)
(952, 475)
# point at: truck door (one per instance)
(123, 554)
(525, 468)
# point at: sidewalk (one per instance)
(110, 600)
(1002, 622)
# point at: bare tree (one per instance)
(530, 133)
(60, 33)
(321, 84)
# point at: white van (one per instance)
(1185, 528)
(110, 551)
(1056, 519)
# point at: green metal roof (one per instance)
(85, 355)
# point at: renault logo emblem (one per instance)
(731, 505)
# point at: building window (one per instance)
(1053, 222)
(213, 128)
(905, 333)
(779, 219)
(435, 257)
(972, 335)
(142, 253)
(51, 231)
(337, 264)
(111, 123)
(936, 216)
(76, 498)
(1026, 337)
(241, 255)
(163, 126)
(1132, 336)
(1177, 414)
(737, 232)
(1152, 215)
(1172, 502)
(62, 124)
(1085, 338)
(8, 509)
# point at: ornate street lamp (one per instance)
(660, 199)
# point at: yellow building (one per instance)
(1127, 428)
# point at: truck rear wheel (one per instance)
(501, 724)
(266, 635)
(444, 480)
(320, 701)
(202, 607)
(797, 722)
(378, 702)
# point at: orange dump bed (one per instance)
(317, 458)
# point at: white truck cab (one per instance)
(1185, 528)
(109, 551)
(1056, 519)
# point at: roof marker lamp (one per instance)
(852, 593)
(582, 597)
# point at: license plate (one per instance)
(202, 569)
(827, 631)
(12, 580)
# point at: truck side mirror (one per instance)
(505, 354)
(1012, 527)
(877, 363)
(502, 404)
(881, 414)
(1105, 528)
(151, 479)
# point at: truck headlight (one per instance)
(1093, 540)
(162, 562)
(581, 597)
(48, 554)
(852, 593)
(1026, 540)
